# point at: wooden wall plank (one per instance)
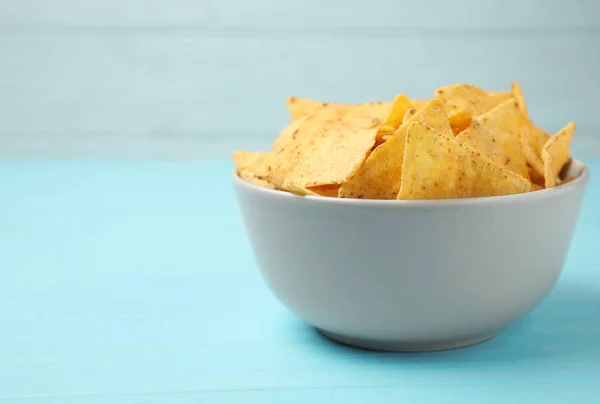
(303, 14)
(124, 77)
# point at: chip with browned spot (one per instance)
(470, 143)
(288, 134)
(469, 97)
(409, 114)
(496, 134)
(253, 167)
(328, 147)
(438, 167)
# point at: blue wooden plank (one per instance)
(134, 282)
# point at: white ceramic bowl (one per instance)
(411, 275)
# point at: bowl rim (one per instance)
(579, 182)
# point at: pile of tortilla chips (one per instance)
(465, 142)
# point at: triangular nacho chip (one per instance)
(497, 135)
(556, 153)
(534, 136)
(325, 190)
(288, 134)
(469, 97)
(438, 167)
(253, 167)
(328, 147)
(536, 179)
(460, 120)
(419, 103)
(465, 102)
(534, 161)
(394, 118)
(301, 107)
(409, 113)
(400, 105)
(379, 177)
(377, 111)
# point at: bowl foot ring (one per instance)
(405, 346)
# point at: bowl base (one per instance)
(407, 346)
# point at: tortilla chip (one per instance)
(409, 114)
(288, 134)
(531, 156)
(329, 146)
(379, 177)
(438, 167)
(556, 153)
(377, 111)
(497, 135)
(536, 187)
(569, 179)
(384, 133)
(253, 167)
(470, 98)
(418, 104)
(301, 107)
(535, 136)
(399, 107)
(460, 120)
(325, 190)
(536, 178)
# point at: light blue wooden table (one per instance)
(133, 282)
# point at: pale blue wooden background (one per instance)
(184, 78)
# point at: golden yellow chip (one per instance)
(409, 114)
(536, 187)
(555, 154)
(531, 156)
(399, 107)
(418, 104)
(470, 98)
(541, 137)
(497, 135)
(253, 167)
(288, 134)
(325, 190)
(327, 149)
(301, 107)
(379, 177)
(465, 102)
(536, 178)
(459, 120)
(438, 167)
(378, 112)
(465, 142)
(384, 133)
(534, 137)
